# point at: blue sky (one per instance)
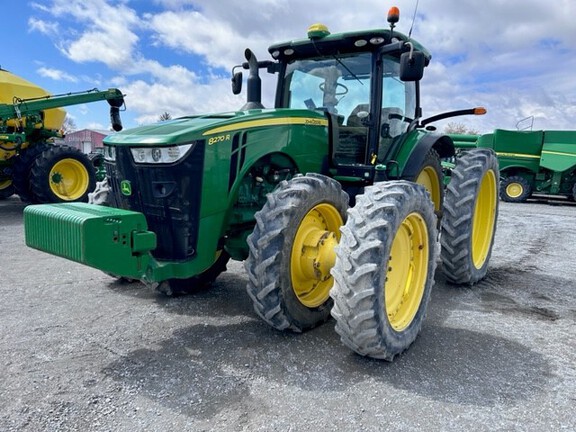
(516, 57)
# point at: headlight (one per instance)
(109, 153)
(160, 155)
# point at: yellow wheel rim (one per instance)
(407, 272)
(313, 254)
(428, 178)
(514, 190)
(69, 179)
(484, 219)
(5, 184)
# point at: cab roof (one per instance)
(341, 43)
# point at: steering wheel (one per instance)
(342, 86)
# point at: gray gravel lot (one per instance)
(80, 351)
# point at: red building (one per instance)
(87, 140)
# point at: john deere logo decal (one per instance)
(126, 187)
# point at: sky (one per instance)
(515, 57)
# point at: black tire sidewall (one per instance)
(406, 336)
(270, 251)
(462, 253)
(7, 191)
(304, 316)
(362, 268)
(21, 170)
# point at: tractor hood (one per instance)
(186, 129)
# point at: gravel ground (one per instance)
(80, 351)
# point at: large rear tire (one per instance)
(292, 250)
(384, 270)
(22, 168)
(470, 216)
(62, 174)
(515, 189)
(6, 189)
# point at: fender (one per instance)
(443, 144)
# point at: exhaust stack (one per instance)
(254, 83)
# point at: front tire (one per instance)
(62, 174)
(515, 189)
(384, 272)
(292, 250)
(470, 215)
(175, 287)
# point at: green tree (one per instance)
(69, 125)
(459, 129)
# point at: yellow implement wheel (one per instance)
(384, 269)
(292, 252)
(62, 174)
(470, 215)
(407, 271)
(69, 179)
(514, 190)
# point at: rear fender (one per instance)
(441, 143)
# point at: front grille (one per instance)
(168, 195)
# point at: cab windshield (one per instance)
(342, 86)
(337, 85)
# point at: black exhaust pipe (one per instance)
(254, 83)
(115, 105)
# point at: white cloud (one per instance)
(45, 27)
(56, 74)
(107, 33)
(515, 57)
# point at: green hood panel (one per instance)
(186, 129)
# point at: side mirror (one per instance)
(412, 66)
(237, 83)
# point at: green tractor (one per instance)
(31, 165)
(332, 197)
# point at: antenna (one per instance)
(413, 18)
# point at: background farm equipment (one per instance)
(531, 162)
(31, 165)
(541, 162)
(332, 197)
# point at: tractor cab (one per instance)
(366, 83)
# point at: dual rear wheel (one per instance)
(371, 266)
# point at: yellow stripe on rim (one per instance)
(484, 219)
(281, 121)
